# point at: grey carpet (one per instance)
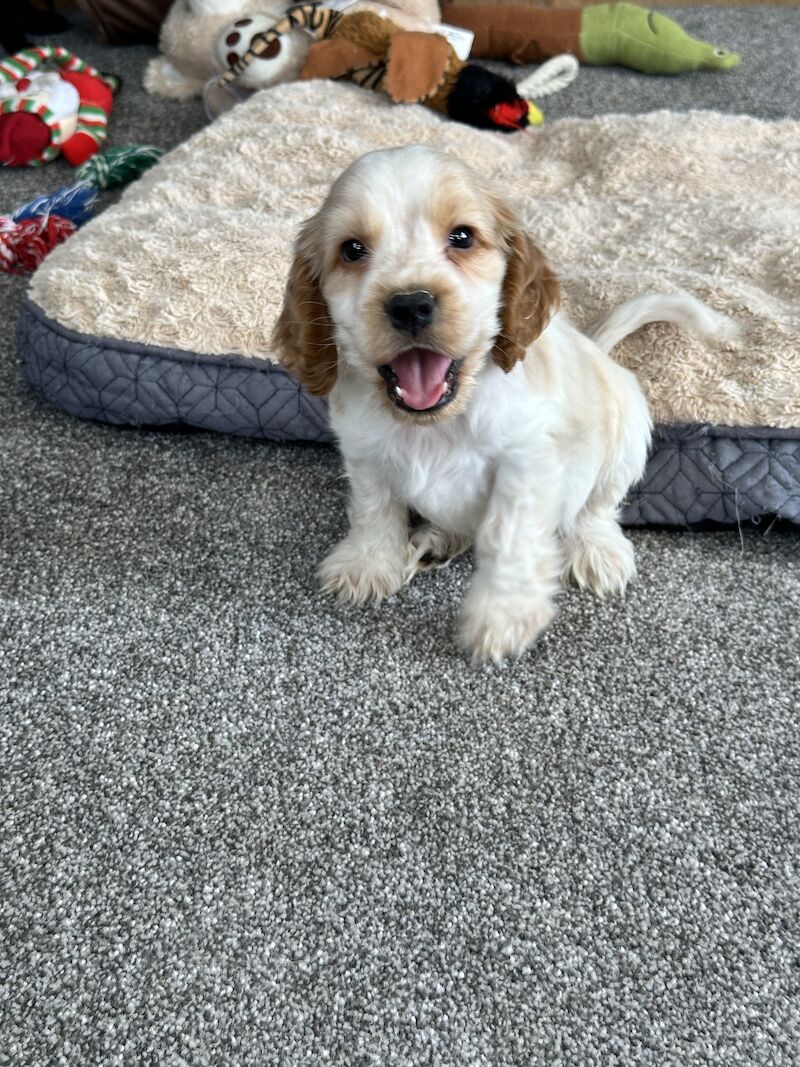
(241, 826)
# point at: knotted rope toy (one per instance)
(24, 244)
(118, 166)
(34, 230)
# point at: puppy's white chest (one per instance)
(446, 482)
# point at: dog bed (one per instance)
(160, 310)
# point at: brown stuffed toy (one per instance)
(410, 67)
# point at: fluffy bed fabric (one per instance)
(195, 255)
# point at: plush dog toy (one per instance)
(44, 112)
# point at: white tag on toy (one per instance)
(460, 40)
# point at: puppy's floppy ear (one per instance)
(531, 295)
(303, 335)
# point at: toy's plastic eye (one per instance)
(461, 237)
(353, 250)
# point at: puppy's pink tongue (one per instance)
(420, 375)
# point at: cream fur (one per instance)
(196, 253)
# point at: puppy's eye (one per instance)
(461, 237)
(353, 250)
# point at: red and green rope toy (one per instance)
(33, 230)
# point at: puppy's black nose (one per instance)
(411, 312)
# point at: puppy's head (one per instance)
(415, 274)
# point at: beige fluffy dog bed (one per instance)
(161, 309)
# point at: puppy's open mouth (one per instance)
(420, 379)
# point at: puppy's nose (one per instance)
(411, 312)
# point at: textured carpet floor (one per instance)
(240, 826)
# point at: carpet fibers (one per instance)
(242, 826)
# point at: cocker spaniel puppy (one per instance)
(467, 408)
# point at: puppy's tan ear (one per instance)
(303, 335)
(531, 295)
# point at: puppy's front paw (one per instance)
(356, 575)
(494, 628)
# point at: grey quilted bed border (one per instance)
(696, 473)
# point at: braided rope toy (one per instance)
(33, 230)
(118, 166)
(23, 245)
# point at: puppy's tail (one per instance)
(684, 310)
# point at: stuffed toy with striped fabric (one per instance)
(52, 103)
